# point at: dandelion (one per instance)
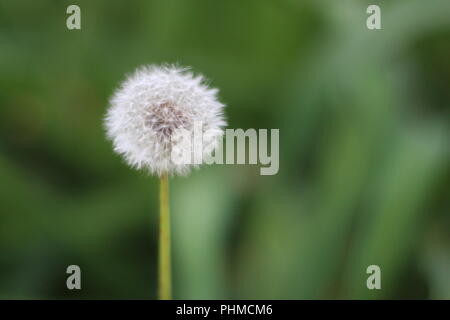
(145, 112)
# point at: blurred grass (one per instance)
(364, 156)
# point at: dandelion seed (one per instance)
(150, 105)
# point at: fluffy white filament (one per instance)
(151, 105)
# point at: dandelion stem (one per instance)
(165, 281)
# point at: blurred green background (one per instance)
(364, 150)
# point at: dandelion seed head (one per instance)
(153, 103)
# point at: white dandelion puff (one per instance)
(151, 105)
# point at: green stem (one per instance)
(165, 281)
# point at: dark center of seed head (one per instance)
(165, 118)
